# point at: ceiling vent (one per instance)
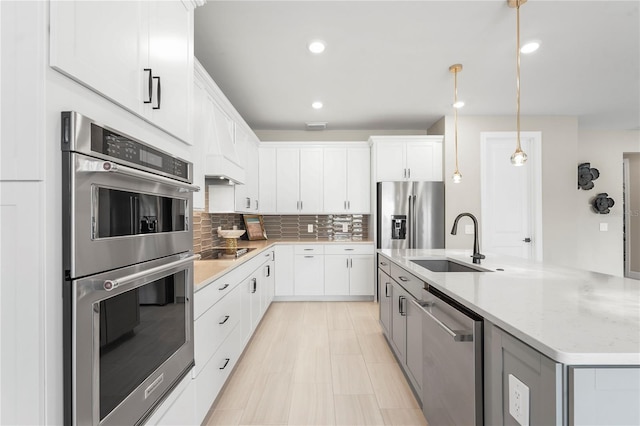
(317, 125)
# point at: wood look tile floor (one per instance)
(317, 363)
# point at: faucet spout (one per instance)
(477, 256)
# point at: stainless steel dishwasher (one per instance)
(452, 367)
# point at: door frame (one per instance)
(534, 153)
(627, 223)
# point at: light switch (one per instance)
(518, 400)
(309, 228)
(468, 229)
(604, 227)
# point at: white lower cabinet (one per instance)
(227, 312)
(348, 270)
(332, 270)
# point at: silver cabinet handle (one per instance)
(248, 203)
(458, 335)
(223, 287)
(309, 257)
(226, 361)
(256, 205)
(409, 173)
(254, 285)
(386, 289)
(349, 249)
(384, 263)
(226, 318)
(109, 285)
(347, 262)
(404, 279)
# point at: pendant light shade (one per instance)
(455, 69)
(519, 157)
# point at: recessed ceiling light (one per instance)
(317, 105)
(530, 47)
(316, 46)
(458, 104)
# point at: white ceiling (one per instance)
(386, 63)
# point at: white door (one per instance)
(336, 275)
(424, 161)
(311, 180)
(361, 281)
(267, 184)
(510, 196)
(390, 161)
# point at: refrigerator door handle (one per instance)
(410, 222)
(414, 225)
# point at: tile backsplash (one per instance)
(323, 227)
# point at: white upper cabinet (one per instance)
(247, 149)
(138, 54)
(409, 158)
(347, 180)
(267, 184)
(298, 180)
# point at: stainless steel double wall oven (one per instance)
(128, 273)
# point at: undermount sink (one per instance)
(445, 265)
(230, 233)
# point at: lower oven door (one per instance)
(130, 340)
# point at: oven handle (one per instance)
(109, 166)
(111, 284)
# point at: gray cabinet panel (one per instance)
(400, 299)
(504, 356)
(414, 345)
(385, 295)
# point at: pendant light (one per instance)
(455, 69)
(518, 158)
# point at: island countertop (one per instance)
(574, 317)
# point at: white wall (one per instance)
(559, 150)
(603, 251)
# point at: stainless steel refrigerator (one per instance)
(410, 215)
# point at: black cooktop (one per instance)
(224, 253)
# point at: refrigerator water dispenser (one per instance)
(398, 227)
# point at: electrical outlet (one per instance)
(468, 229)
(604, 227)
(518, 400)
(309, 228)
(345, 227)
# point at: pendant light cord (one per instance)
(518, 148)
(455, 113)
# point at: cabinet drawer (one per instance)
(384, 264)
(309, 249)
(215, 373)
(409, 282)
(211, 293)
(214, 326)
(349, 249)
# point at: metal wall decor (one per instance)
(602, 203)
(586, 176)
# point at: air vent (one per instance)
(317, 125)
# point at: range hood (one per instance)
(222, 159)
(221, 168)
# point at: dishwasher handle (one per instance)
(457, 335)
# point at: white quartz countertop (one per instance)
(572, 316)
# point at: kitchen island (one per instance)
(575, 335)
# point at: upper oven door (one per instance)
(118, 216)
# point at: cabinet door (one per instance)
(255, 296)
(200, 131)
(171, 59)
(414, 344)
(287, 180)
(284, 275)
(336, 275)
(361, 282)
(311, 180)
(267, 184)
(253, 175)
(243, 192)
(104, 46)
(424, 160)
(385, 296)
(399, 321)
(245, 289)
(359, 180)
(309, 275)
(390, 161)
(335, 180)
